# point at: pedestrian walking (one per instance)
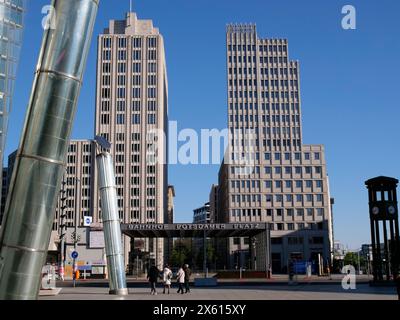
(188, 273)
(167, 276)
(269, 271)
(152, 276)
(398, 285)
(180, 279)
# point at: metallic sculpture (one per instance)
(111, 224)
(38, 171)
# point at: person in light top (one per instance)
(167, 276)
(181, 279)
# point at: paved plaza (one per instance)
(301, 291)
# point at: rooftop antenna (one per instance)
(130, 5)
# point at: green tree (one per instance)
(351, 258)
(211, 256)
(181, 252)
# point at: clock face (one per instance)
(375, 210)
(392, 210)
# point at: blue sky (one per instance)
(349, 80)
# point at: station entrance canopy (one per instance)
(192, 230)
(259, 233)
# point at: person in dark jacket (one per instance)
(152, 276)
(188, 273)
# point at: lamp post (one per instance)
(62, 229)
(76, 238)
(254, 243)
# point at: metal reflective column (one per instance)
(39, 167)
(111, 225)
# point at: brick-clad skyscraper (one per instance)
(288, 184)
(131, 101)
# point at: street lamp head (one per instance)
(103, 142)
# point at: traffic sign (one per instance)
(87, 221)
(74, 254)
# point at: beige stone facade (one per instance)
(131, 103)
(288, 183)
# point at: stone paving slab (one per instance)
(299, 292)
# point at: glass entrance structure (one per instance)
(11, 27)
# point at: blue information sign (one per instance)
(74, 254)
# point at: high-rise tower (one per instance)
(288, 184)
(131, 104)
(11, 27)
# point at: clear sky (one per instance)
(349, 78)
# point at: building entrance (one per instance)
(259, 257)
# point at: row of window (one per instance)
(238, 199)
(296, 156)
(274, 95)
(264, 83)
(306, 170)
(136, 67)
(85, 158)
(250, 59)
(136, 93)
(264, 118)
(262, 48)
(136, 80)
(136, 105)
(122, 55)
(300, 212)
(136, 42)
(290, 240)
(266, 106)
(255, 184)
(264, 71)
(86, 148)
(120, 119)
(135, 136)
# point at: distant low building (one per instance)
(339, 250)
(202, 214)
(6, 179)
(213, 199)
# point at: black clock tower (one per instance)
(384, 218)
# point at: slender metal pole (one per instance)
(204, 253)
(40, 163)
(374, 250)
(111, 225)
(62, 230)
(76, 238)
(137, 266)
